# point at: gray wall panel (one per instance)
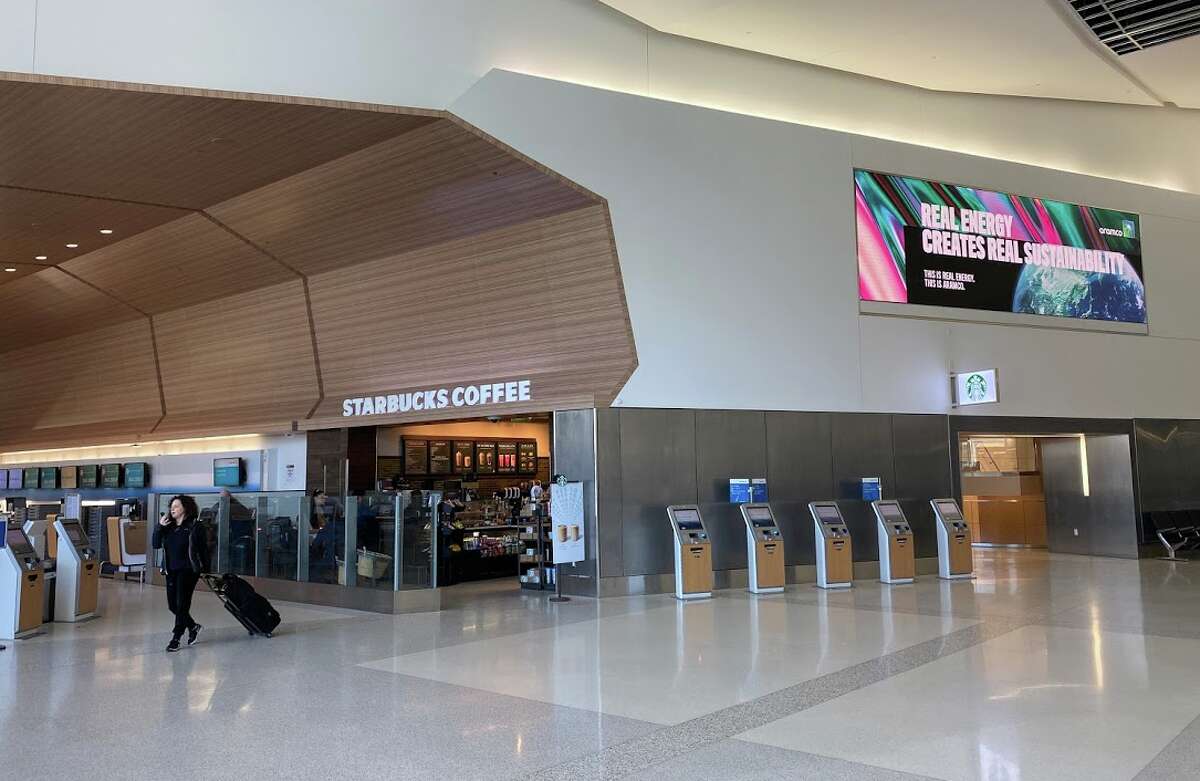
(608, 486)
(922, 463)
(728, 444)
(658, 458)
(862, 447)
(1113, 517)
(575, 457)
(1066, 510)
(799, 471)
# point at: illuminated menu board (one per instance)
(527, 457)
(416, 456)
(506, 457)
(439, 456)
(485, 457)
(464, 457)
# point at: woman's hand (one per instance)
(165, 520)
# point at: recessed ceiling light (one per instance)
(40, 257)
(72, 246)
(10, 270)
(106, 231)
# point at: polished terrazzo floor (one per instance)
(1044, 667)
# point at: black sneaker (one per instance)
(194, 633)
(173, 646)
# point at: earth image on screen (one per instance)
(1042, 290)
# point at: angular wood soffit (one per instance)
(212, 196)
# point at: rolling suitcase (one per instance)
(251, 609)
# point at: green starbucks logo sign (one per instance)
(977, 388)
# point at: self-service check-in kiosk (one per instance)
(835, 556)
(21, 586)
(896, 561)
(954, 541)
(764, 549)
(39, 533)
(77, 573)
(693, 553)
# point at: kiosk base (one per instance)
(898, 581)
(963, 576)
(694, 595)
(834, 586)
(770, 590)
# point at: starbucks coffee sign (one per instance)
(975, 387)
(506, 392)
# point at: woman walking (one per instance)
(184, 543)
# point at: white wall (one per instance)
(428, 52)
(737, 247)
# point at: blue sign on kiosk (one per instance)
(871, 489)
(744, 489)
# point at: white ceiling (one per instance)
(1018, 47)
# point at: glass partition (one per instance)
(379, 540)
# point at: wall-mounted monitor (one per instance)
(136, 475)
(32, 476)
(464, 457)
(506, 457)
(227, 472)
(68, 477)
(527, 458)
(416, 456)
(485, 458)
(110, 475)
(949, 245)
(89, 476)
(3, 479)
(439, 456)
(48, 476)
(16, 479)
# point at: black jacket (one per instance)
(197, 531)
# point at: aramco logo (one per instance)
(977, 388)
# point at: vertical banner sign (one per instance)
(566, 517)
(937, 244)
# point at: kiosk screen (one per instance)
(75, 533)
(760, 516)
(688, 520)
(891, 512)
(949, 511)
(16, 540)
(829, 514)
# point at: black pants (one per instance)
(180, 586)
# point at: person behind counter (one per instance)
(536, 490)
(184, 542)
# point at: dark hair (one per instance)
(317, 492)
(190, 509)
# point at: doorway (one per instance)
(1068, 492)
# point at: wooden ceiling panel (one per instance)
(171, 148)
(51, 304)
(480, 309)
(434, 184)
(252, 353)
(188, 261)
(80, 389)
(34, 223)
(18, 270)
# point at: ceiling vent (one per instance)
(1131, 25)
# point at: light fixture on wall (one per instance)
(10, 269)
(106, 231)
(1083, 465)
(39, 257)
(72, 246)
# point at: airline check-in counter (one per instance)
(40, 533)
(693, 553)
(21, 586)
(126, 544)
(897, 563)
(835, 554)
(954, 541)
(77, 573)
(764, 549)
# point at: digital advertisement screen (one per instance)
(937, 244)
